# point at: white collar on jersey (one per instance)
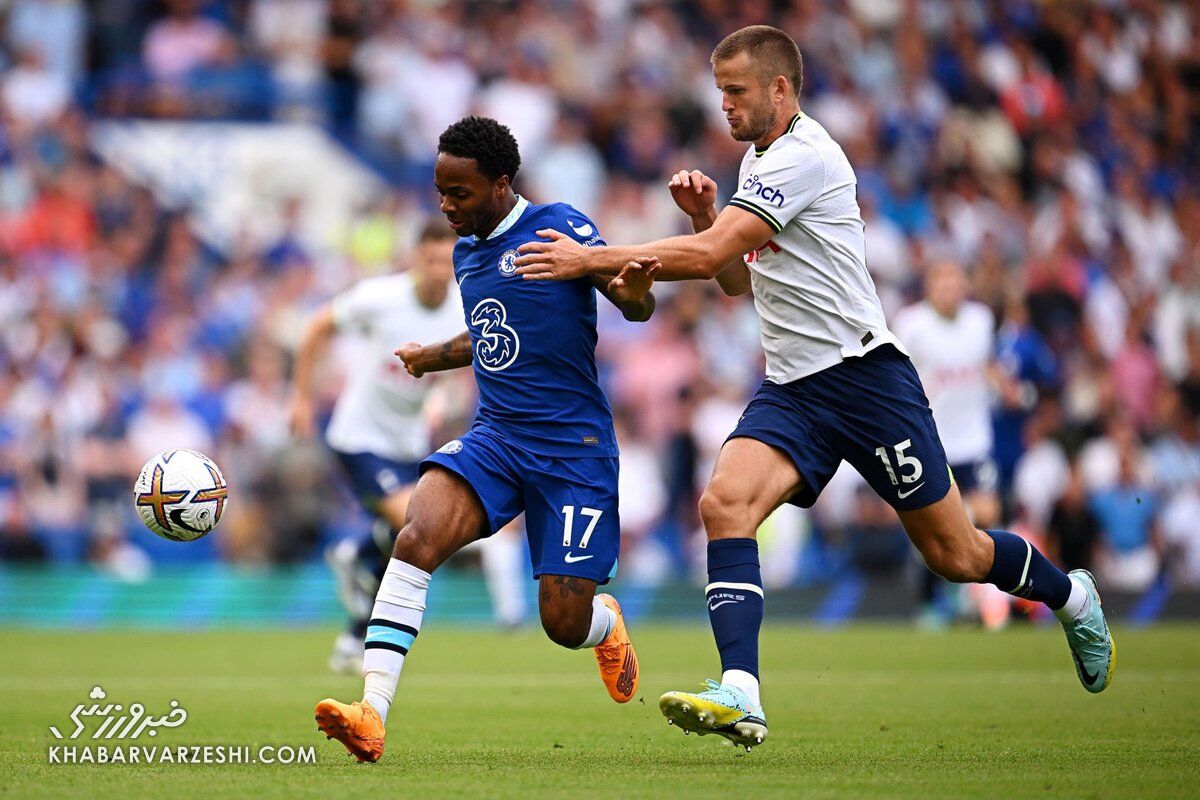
(510, 220)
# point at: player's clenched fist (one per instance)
(408, 353)
(694, 192)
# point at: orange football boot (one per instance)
(357, 726)
(618, 662)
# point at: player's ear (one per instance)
(501, 186)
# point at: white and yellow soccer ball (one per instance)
(180, 495)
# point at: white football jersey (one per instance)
(951, 356)
(815, 299)
(380, 408)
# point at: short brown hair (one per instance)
(436, 229)
(773, 50)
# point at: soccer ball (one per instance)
(180, 495)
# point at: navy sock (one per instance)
(375, 550)
(735, 601)
(1021, 570)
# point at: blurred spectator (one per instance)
(1131, 552)
(33, 94)
(18, 545)
(343, 34)
(181, 42)
(1043, 472)
(54, 29)
(571, 170)
(1073, 529)
(1181, 535)
(289, 34)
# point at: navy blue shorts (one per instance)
(870, 411)
(374, 477)
(976, 476)
(570, 504)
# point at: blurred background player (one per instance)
(950, 340)
(380, 428)
(543, 442)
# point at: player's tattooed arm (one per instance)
(450, 354)
(630, 289)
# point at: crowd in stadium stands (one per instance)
(1050, 148)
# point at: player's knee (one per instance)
(722, 511)
(415, 546)
(562, 627)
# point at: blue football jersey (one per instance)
(534, 342)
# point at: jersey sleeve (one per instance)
(355, 308)
(781, 183)
(578, 226)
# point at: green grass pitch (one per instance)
(856, 712)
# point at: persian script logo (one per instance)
(119, 722)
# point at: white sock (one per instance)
(603, 621)
(378, 690)
(395, 622)
(744, 681)
(1077, 603)
(503, 570)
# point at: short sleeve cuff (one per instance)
(765, 216)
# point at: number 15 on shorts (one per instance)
(903, 462)
(593, 515)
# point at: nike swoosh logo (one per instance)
(1089, 679)
(460, 283)
(903, 495)
(176, 515)
(715, 606)
(571, 559)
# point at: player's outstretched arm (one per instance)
(701, 255)
(630, 290)
(450, 354)
(320, 330)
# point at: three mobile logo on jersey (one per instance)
(496, 345)
(768, 193)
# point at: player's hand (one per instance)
(694, 192)
(634, 280)
(300, 417)
(560, 259)
(408, 353)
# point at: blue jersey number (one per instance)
(498, 345)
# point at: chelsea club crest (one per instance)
(508, 263)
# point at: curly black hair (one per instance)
(491, 144)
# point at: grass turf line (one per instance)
(854, 712)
